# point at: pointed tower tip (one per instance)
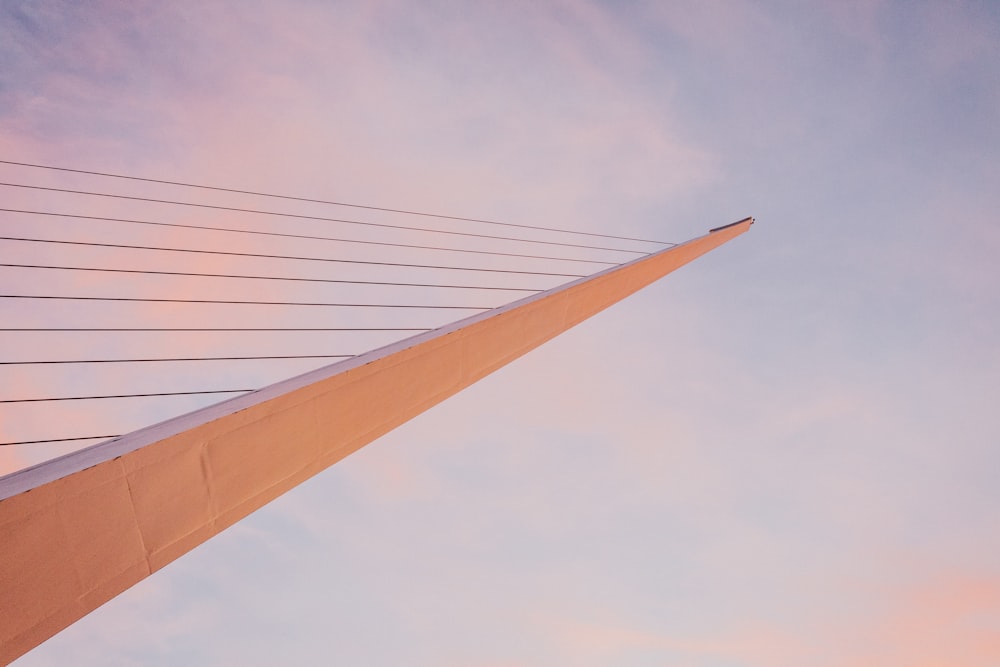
(732, 224)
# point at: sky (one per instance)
(785, 453)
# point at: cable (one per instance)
(304, 236)
(245, 277)
(303, 259)
(248, 303)
(322, 201)
(315, 217)
(221, 329)
(91, 398)
(121, 361)
(35, 442)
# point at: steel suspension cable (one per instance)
(308, 237)
(293, 257)
(315, 217)
(123, 361)
(246, 303)
(95, 398)
(323, 201)
(248, 277)
(38, 442)
(230, 329)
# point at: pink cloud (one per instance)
(949, 618)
